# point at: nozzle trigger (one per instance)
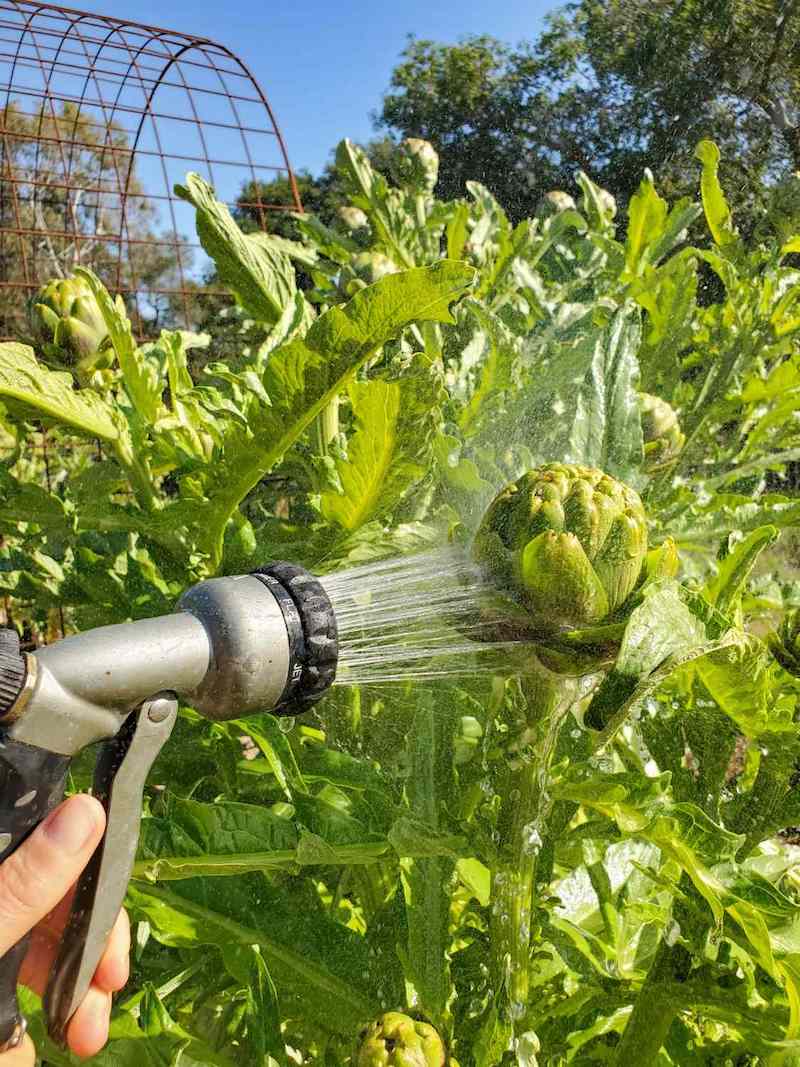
(119, 779)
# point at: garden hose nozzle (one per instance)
(265, 641)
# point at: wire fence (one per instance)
(99, 118)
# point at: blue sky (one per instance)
(323, 65)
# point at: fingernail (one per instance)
(70, 826)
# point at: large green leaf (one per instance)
(661, 627)
(141, 374)
(43, 392)
(318, 964)
(303, 376)
(607, 431)
(647, 213)
(257, 271)
(390, 450)
(718, 214)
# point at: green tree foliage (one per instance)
(609, 87)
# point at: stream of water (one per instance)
(412, 618)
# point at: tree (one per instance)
(610, 87)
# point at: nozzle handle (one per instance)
(123, 764)
(32, 783)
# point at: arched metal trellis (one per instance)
(99, 118)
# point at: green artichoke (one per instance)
(661, 431)
(553, 203)
(785, 644)
(352, 217)
(566, 543)
(397, 1040)
(416, 165)
(69, 325)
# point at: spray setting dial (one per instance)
(13, 670)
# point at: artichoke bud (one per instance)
(371, 266)
(661, 432)
(566, 543)
(416, 165)
(553, 203)
(69, 325)
(352, 217)
(397, 1040)
(785, 644)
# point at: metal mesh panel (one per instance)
(100, 117)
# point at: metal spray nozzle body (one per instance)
(256, 642)
(265, 641)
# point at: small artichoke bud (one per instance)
(663, 439)
(69, 325)
(397, 1040)
(566, 543)
(783, 210)
(353, 218)
(416, 165)
(371, 266)
(785, 644)
(553, 203)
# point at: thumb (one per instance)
(43, 869)
(24, 1056)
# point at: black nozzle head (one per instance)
(13, 670)
(313, 636)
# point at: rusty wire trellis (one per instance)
(100, 118)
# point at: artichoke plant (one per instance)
(567, 543)
(416, 165)
(663, 438)
(397, 1040)
(69, 325)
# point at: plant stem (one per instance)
(327, 426)
(523, 826)
(656, 1006)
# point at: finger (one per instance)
(43, 946)
(114, 966)
(24, 1056)
(35, 877)
(87, 1031)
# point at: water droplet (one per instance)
(286, 724)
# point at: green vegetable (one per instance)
(554, 202)
(397, 1040)
(567, 542)
(416, 165)
(69, 325)
(661, 431)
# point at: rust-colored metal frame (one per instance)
(42, 46)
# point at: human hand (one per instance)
(36, 886)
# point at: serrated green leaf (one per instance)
(606, 431)
(141, 374)
(51, 394)
(715, 206)
(258, 273)
(302, 377)
(388, 452)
